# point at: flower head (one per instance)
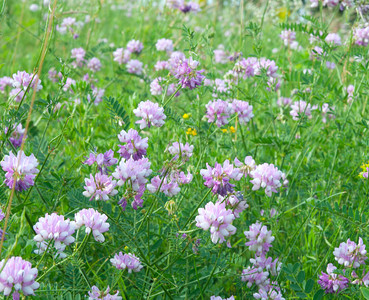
(96, 294)
(56, 228)
(17, 274)
(100, 187)
(134, 146)
(260, 238)
(269, 177)
(187, 74)
(93, 221)
(121, 56)
(164, 45)
(127, 261)
(20, 170)
(134, 46)
(243, 110)
(151, 114)
(332, 283)
(219, 110)
(350, 254)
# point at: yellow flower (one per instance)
(232, 129)
(224, 130)
(126, 248)
(364, 167)
(283, 12)
(191, 131)
(186, 116)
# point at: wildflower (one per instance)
(218, 178)
(22, 80)
(361, 36)
(232, 129)
(96, 294)
(334, 39)
(327, 112)
(332, 283)
(164, 45)
(134, 66)
(218, 219)
(79, 55)
(260, 238)
(16, 136)
(350, 93)
(299, 108)
(94, 64)
(268, 294)
(220, 298)
(20, 170)
(151, 114)
(126, 261)
(68, 84)
(219, 109)
(220, 56)
(243, 110)
(134, 146)
(288, 36)
(187, 74)
(134, 46)
(56, 228)
(4, 82)
(247, 167)
(283, 101)
(18, 275)
(16, 94)
(93, 221)
(162, 65)
(191, 131)
(365, 172)
(121, 55)
(169, 185)
(351, 254)
(186, 116)
(134, 172)
(235, 202)
(100, 187)
(103, 160)
(178, 149)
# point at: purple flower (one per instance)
(94, 64)
(220, 298)
(351, 254)
(121, 56)
(361, 36)
(332, 283)
(169, 185)
(22, 80)
(16, 136)
(299, 108)
(259, 237)
(134, 66)
(134, 146)
(2, 215)
(134, 46)
(243, 110)
(327, 112)
(219, 109)
(126, 261)
(151, 114)
(68, 83)
(187, 74)
(103, 161)
(269, 177)
(55, 76)
(268, 294)
(53, 227)
(21, 169)
(100, 187)
(17, 94)
(155, 87)
(218, 178)
(4, 82)
(256, 276)
(93, 221)
(161, 65)
(164, 45)
(364, 280)
(220, 56)
(179, 150)
(96, 294)
(350, 93)
(247, 167)
(218, 219)
(133, 172)
(234, 202)
(288, 36)
(18, 275)
(79, 55)
(284, 101)
(334, 39)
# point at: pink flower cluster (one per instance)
(350, 254)
(133, 145)
(17, 275)
(164, 45)
(151, 114)
(288, 37)
(361, 36)
(20, 170)
(127, 261)
(16, 135)
(331, 282)
(96, 294)
(183, 6)
(218, 219)
(93, 221)
(187, 74)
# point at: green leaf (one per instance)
(301, 277)
(309, 285)
(318, 295)
(365, 292)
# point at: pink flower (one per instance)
(164, 45)
(134, 46)
(179, 150)
(17, 275)
(151, 114)
(100, 187)
(21, 169)
(134, 146)
(121, 56)
(134, 66)
(79, 55)
(219, 110)
(93, 221)
(54, 227)
(96, 294)
(351, 254)
(126, 261)
(288, 36)
(187, 74)
(332, 283)
(259, 237)
(218, 178)
(269, 177)
(243, 110)
(16, 136)
(218, 219)
(299, 108)
(94, 64)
